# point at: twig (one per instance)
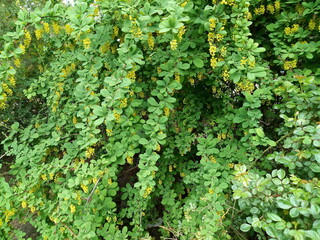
(70, 230)
(91, 193)
(3, 155)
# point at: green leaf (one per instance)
(284, 204)
(315, 167)
(245, 227)
(260, 132)
(198, 62)
(143, 141)
(274, 217)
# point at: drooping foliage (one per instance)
(162, 118)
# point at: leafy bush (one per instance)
(164, 118)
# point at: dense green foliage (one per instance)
(188, 120)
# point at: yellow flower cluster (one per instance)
(56, 28)
(38, 33)
(147, 192)
(105, 47)
(44, 177)
(213, 62)
(212, 159)
(245, 86)
(182, 31)
(158, 148)
(132, 75)
(6, 89)
(211, 191)
(271, 9)
(17, 62)
(72, 208)
(117, 116)
(23, 48)
(293, 29)
(89, 152)
(27, 38)
(46, 27)
(86, 43)
(8, 214)
(129, 160)
(260, 10)
(68, 29)
(166, 111)
(173, 44)
(228, 2)
(12, 81)
(136, 30)
(290, 64)
(223, 51)
(277, 5)
(312, 24)
(24, 204)
(248, 15)
(84, 188)
(115, 31)
(231, 165)
(67, 70)
(213, 24)
(191, 80)
(109, 132)
(123, 103)
(150, 41)
(226, 75)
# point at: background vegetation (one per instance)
(160, 119)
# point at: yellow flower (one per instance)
(23, 204)
(181, 32)
(170, 168)
(312, 24)
(89, 152)
(212, 50)
(211, 191)
(158, 148)
(68, 29)
(27, 39)
(84, 188)
(115, 31)
(277, 5)
(56, 28)
(166, 111)
(46, 27)
(23, 48)
(117, 116)
(271, 8)
(213, 62)
(109, 181)
(150, 41)
(17, 62)
(44, 177)
(38, 33)
(290, 64)
(147, 192)
(173, 44)
(213, 24)
(72, 208)
(86, 43)
(12, 81)
(212, 159)
(129, 160)
(109, 132)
